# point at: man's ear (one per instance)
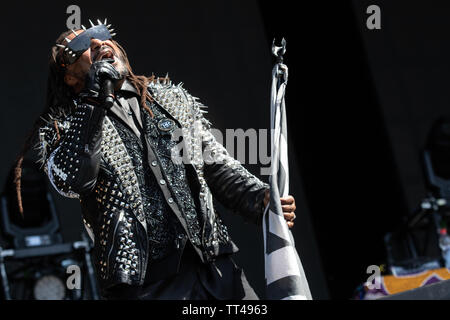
(74, 82)
(70, 80)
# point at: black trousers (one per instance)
(195, 280)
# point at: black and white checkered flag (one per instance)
(285, 277)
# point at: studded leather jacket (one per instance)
(135, 201)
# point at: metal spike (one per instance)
(74, 55)
(99, 22)
(74, 32)
(70, 52)
(111, 30)
(108, 26)
(84, 28)
(92, 24)
(106, 19)
(113, 34)
(66, 49)
(67, 40)
(60, 45)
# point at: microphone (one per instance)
(108, 93)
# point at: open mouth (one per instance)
(106, 53)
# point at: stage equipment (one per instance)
(415, 246)
(35, 263)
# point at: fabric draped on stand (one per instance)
(285, 277)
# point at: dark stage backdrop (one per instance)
(409, 61)
(219, 49)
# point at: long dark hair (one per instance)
(59, 99)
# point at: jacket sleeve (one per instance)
(71, 150)
(230, 183)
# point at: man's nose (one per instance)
(96, 44)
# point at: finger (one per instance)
(290, 224)
(289, 216)
(287, 200)
(288, 208)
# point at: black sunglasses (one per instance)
(75, 47)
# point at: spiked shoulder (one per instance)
(178, 102)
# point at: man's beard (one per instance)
(121, 67)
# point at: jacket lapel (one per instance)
(116, 156)
(127, 100)
(134, 105)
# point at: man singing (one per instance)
(112, 139)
